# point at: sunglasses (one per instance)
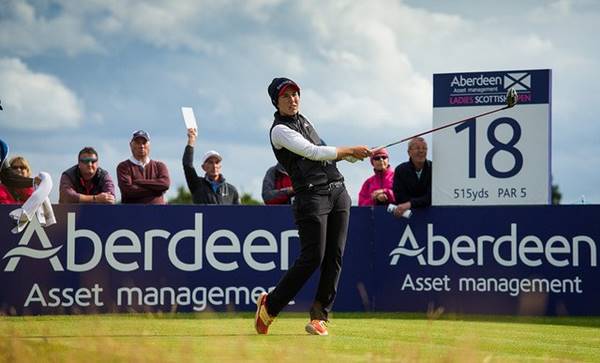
(21, 167)
(88, 160)
(380, 157)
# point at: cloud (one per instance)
(162, 24)
(552, 13)
(372, 78)
(23, 32)
(365, 68)
(259, 9)
(35, 101)
(354, 110)
(79, 27)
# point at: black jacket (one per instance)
(407, 187)
(98, 180)
(201, 188)
(11, 179)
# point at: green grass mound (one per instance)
(230, 337)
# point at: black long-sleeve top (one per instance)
(201, 188)
(11, 179)
(408, 187)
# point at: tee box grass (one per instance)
(354, 337)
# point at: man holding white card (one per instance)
(212, 188)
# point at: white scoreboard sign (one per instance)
(499, 159)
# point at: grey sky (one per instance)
(76, 73)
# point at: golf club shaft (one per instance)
(440, 128)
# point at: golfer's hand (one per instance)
(192, 134)
(359, 152)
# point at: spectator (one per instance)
(5, 195)
(212, 188)
(412, 179)
(21, 166)
(37, 203)
(17, 193)
(377, 189)
(12, 177)
(277, 186)
(86, 182)
(142, 180)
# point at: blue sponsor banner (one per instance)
(498, 260)
(489, 88)
(539, 260)
(150, 258)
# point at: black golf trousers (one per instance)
(322, 216)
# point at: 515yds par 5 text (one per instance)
(483, 193)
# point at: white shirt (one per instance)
(138, 162)
(284, 137)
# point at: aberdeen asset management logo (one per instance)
(22, 250)
(401, 250)
(511, 248)
(201, 251)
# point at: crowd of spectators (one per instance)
(143, 180)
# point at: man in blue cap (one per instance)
(321, 208)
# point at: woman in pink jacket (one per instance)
(377, 190)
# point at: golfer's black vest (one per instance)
(304, 173)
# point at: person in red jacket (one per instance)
(16, 195)
(141, 179)
(277, 186)
(5, 195)
(377, 189)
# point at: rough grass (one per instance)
(230, 337)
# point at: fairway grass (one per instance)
(354, 337)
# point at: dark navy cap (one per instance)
(140, 133)
(278, 86)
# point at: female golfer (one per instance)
(321, 208)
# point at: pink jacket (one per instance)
(380, 180)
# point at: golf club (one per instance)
(511, 100)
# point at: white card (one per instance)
(189, 118)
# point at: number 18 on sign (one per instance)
(499, 159)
